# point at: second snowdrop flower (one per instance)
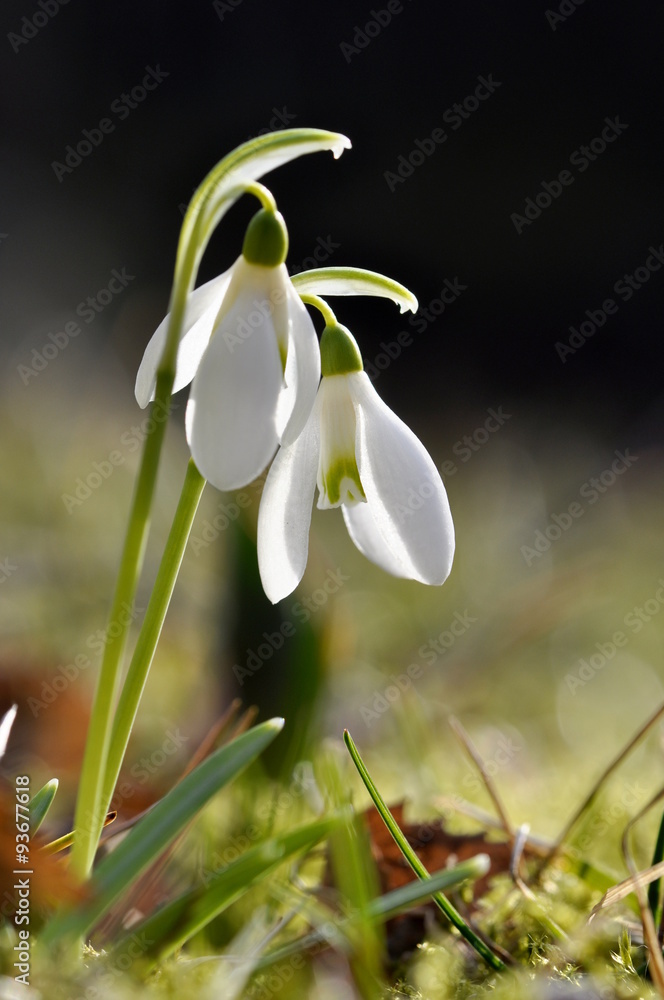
(363, 458)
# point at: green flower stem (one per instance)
(153, 622)
(263, 194)
(411, 857)
(322, 306)
(90, 815)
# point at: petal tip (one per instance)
(411, 305)
(275, 594)
(342, 142)
(143, 395)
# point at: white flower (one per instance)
(250, 347)
(366, 460)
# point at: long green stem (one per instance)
(89, 813)
(411, 857)
(153, 622)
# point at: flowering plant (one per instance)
(261, 385)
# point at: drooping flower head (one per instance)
(363, 458)
(250, 349)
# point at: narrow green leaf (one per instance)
(171, 926)
(406, 896)
(390, 905)
(153, 834)
(654, 890)
(411, 857)
(354, 281)
(40, 803)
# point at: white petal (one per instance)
(363, 530)
(302, 370)
(284, 514)
(6, 723)
(201, 311)
(230, 418)
(403, 488)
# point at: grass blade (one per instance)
(407, 896)
(390, 905)
(356, 879)
(41, 803)
(654, 892)
(455, 918)
(160, 826)
(171, 926)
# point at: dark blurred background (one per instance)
(385, 76)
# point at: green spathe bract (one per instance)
(266, 239)
(354, 281)
(339, 352)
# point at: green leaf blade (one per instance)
(153, 834)
(482, 949)
(179, 920)
(41, 803)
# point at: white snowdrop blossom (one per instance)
(363, 458)
(250, 350)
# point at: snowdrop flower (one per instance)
(365, 460)
(250, 349)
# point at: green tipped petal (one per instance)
(340, 483)
(338, 474)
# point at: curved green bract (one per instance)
(225, 183)
(222, 187)
(354, 281)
